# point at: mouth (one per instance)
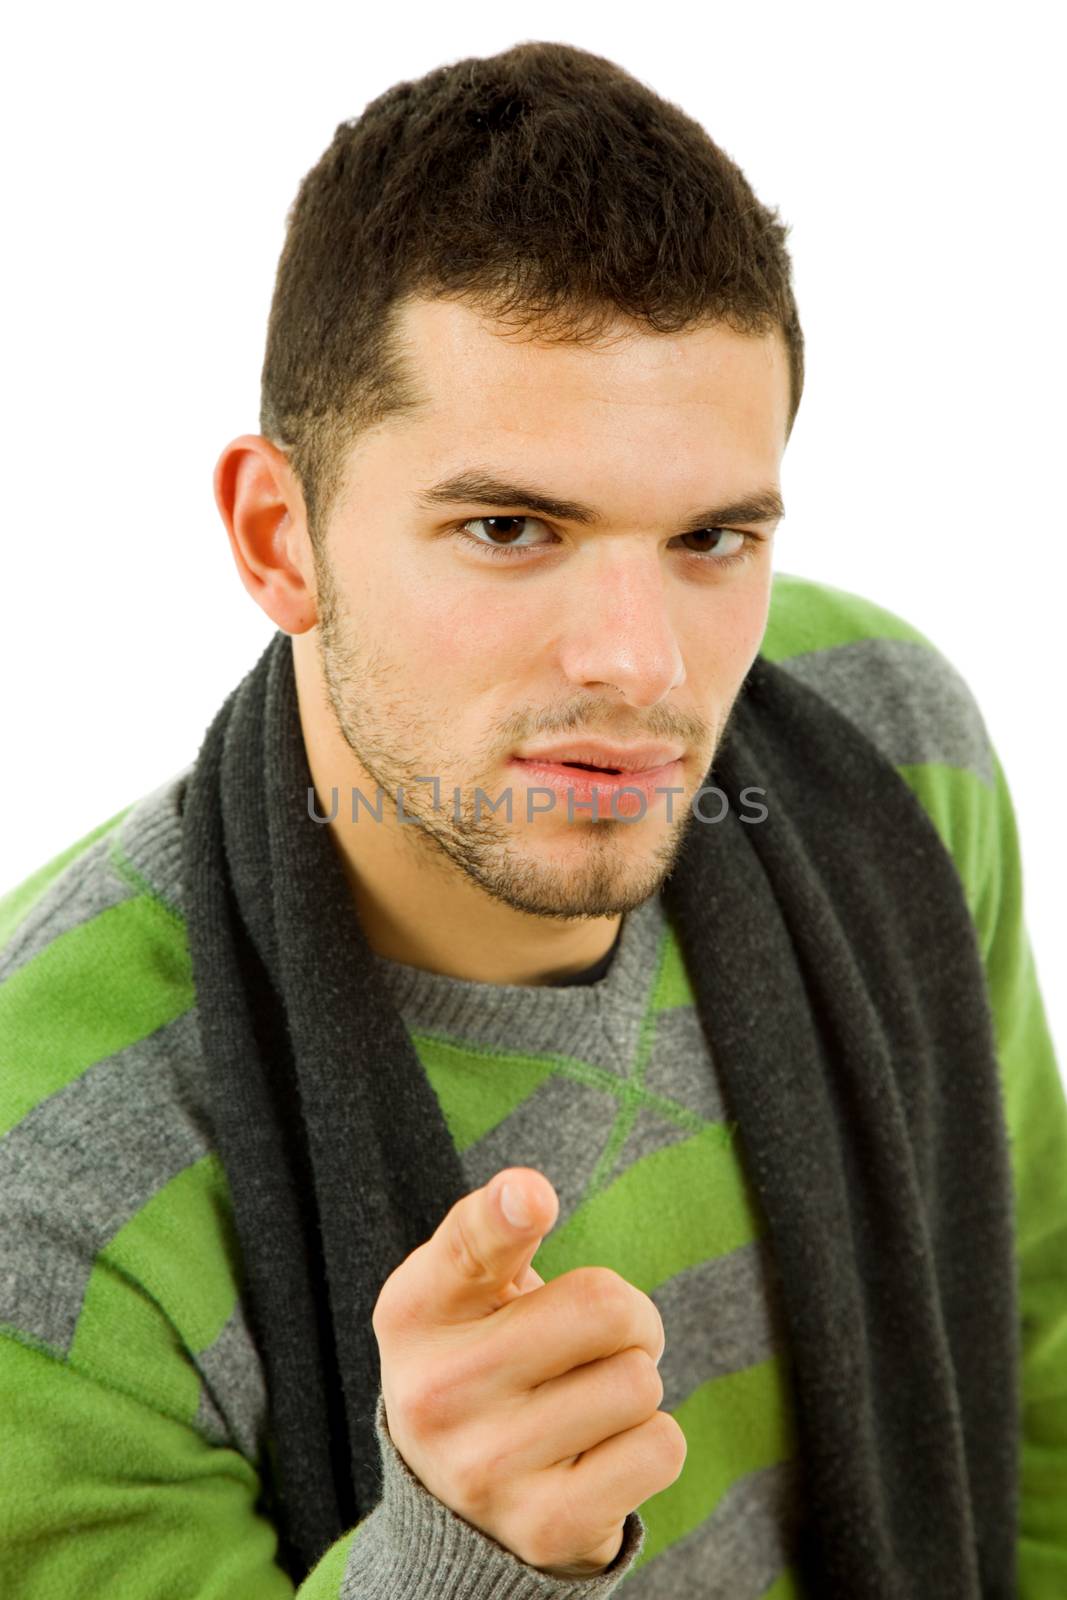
(598, 755)
(585, 766)
(612, 784)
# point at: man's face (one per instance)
(441, 660)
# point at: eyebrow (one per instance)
(473, 484)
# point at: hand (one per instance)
(529, 1408)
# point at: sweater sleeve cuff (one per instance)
(412, 1546)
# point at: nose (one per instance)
(618, 627)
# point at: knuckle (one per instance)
(440, 1390)
(642, 1377)
(427, 1406)
(602, 1290)
(471, 1469)
(461, 1252)
(554, 1533)
(382, 1313)
(385, 1324)
(394, 1307)
(671, 1440)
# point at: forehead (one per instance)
(472, 368)
(641, 426)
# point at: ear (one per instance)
(261, 503)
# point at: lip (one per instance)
(599, 753)
(586, 786)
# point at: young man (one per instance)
(746, 1022)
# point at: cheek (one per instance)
(470, 660)
(720, 630)
(741, 619)
(470, 637)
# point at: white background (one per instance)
(150, 155)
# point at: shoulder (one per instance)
(136, 852)
(882, 672)
(116, 1233)
(907, 696)
(94, 958)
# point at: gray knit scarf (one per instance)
(837, 976)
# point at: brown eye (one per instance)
(503, 531)
(505, 527)
(702, 535)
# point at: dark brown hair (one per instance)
(544, 187)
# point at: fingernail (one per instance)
(514, 1206)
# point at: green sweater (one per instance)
(133, 1418)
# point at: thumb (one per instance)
(489, 1239)
(515, 1206)
(524, 1203)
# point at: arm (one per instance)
(1036, 1114)
(978, 824)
